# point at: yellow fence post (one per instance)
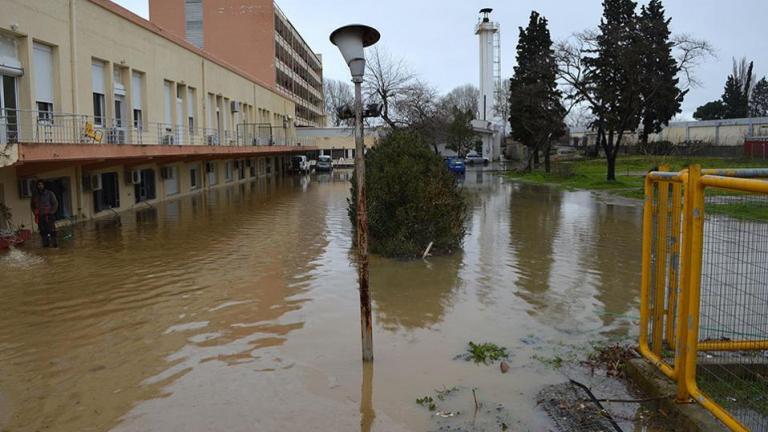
(661, 264)
(645, 273)
(674, 267)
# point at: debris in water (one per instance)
(504, 367)
(485, 353)
(610, 358)
(427, 402)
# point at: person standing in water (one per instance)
(44, 206)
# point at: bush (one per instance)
(412, 199)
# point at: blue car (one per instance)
(455, 165)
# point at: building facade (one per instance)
(112, 111)
(337, 142)
(709, 133)
(256, 36)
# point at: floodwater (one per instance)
(237, 310)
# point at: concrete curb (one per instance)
(683, 417)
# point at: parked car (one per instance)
(455, 165)
(300, 164)
(473, 158)
(324, 163)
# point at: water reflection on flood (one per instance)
(237, 310)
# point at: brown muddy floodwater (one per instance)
(237, 310)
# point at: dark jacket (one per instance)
(45, 202)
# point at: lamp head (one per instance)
(352, 40)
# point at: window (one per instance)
(97, 82)
(137, 91)
(98, 109)
(210, 170)
(138, 119)
(44, 111)
(191, 110)
(118, 91)
(42, 59)
(228, 170)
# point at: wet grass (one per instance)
(590, 174)
(740, 210)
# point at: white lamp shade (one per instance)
(352, 40)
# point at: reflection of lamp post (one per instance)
(351, 41)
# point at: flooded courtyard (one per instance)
(237, 310)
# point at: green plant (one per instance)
(485, 353)
(412, 199)
(427, 402)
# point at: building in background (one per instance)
(255, 36)
(337, 142)
(113, 112)
(710, 137)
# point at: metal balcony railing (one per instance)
(29, 126)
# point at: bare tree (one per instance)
(463, 97)
(501, 100)
(337, 94)
(386, 81)
(690, 53)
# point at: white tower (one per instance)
(490, 64)
(489, 128)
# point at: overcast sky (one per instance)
(436, 37)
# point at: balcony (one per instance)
(29, 138)
(27, 126)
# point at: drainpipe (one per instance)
(73, 55)
(78, 184)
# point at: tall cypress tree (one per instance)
(661, 96)
(612, 74)
(536, 113)
(758, 104)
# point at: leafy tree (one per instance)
(736, 99)
(661, 95)
(758, 104)
(461, 136)
(412, 199)
(714, 110)
(612, 75)
(535, 112)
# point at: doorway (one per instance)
(60, 188)
(145, 190)
(9, 122)
(109, 195)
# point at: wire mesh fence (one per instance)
(732, 361)
(704, 296)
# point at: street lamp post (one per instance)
(351, 41)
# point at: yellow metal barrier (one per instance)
(704, 289)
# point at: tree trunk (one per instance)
(535, 157)
(611, 151)
(546, 158)
(612, 167)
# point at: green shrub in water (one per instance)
(412, 199)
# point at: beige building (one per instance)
(113, 111)
(730, 132)
(337, 142)
(255, 36)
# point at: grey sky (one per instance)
(437, 40)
